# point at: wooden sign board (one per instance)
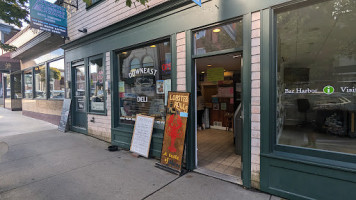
(141, 138)
(175, 129)
(64, 115)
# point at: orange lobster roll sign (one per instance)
(175, 128)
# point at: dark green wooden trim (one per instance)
(73, 105)
(292, 178)
(132, 21)
(215, 53)
(246, 102)
(266, 79)
(124, 131)
(104, 112)
(174, 62)
(114, 88)
(86, 66)
(310, 160)
(162, 20)
(79, 130)
(226, 10)
(190, 87)
(266, 138)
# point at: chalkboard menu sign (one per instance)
(141, 138)
(64, 115)
(174, 132)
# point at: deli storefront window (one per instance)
(316, 76)
(28, 84)
(96, 83)
(144, 82)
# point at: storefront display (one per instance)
(28, 84)
(144, 83)
(316, 88)
(96, 84)
(56, 78)
(40, 82)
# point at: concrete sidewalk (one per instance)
(43, 163)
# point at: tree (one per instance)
(13, 12)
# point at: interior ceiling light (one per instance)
(153, 46)
(217, 30)
(124, 52)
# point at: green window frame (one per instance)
(103, 94)
(115, 76)
(269, 146)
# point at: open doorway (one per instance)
(218, 108)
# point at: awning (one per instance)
(43, 43)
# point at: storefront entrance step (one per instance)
(224, 177)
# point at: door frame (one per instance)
(82, 62)
(245, 99)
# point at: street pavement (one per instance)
(43, 163)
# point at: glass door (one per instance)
(79, 100)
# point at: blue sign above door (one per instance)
(48, 17)
(197, 2)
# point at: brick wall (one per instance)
(181, 62)
(255, 100)
(101, 127)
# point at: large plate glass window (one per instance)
(7, 83)
(1, 88)
(28, 84)
(40, 82)
(316, 76)
(17, 85)
(56, 79)
(96, 84)
(144, 82)
(222, 37)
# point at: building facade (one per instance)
(272, 86)
(38, 87)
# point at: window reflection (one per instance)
(56, 79)
(145, 79)
(17, 86)
(316, 83)
(218, 38)
(28, 84)
(97, 96)
(40, 82)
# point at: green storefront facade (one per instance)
(287, 168)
